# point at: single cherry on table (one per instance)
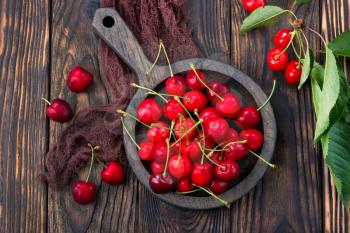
(113, 173)
(79, 79)
(59, 110)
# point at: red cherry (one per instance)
(193, 82)
(215, 129)
(79, 79)
(179, 166)
(194, 100)
(236, 151)
(293, 72)
(175, 85)
(277, 60)
(158, 132)
(182, 128)
(229, 106)
(248, 117)
(159, 152)
(162, 183)
(217, 157)
(254, 137)
(145, 152)
(184, 185)
(113, 174)
(191, 150)
(83, 192)
(219, 88)
(231, 135)
(149, 111)
(209, 112)
(172, 109)
(175, 148)
(157, 168)
(251, 5)
(202, 174)
(218, 187)
(59, 110)
(282, 38)
(227, 171)
(209, 143)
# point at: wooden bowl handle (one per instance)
(114, 31)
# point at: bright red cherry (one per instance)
(184, 185)
(229, 106)
(236, 151)
(175, 85)
(194, 100)
(202, 174)
(293, 72)
(79, 79)
(159, 152)
(59, 110)
(191, 150)
(218, 187)
(145, 152)
(162, 183)
(83, 192)
(217, 157)
(227, 171)
(113, 174)
(277, 60)
(157, 168)
(158, 132)
(282, 38)
(248, 117)
(172, 109)
(149, 111)
(193, 82)
(183, 126)
(179, 166)
(251, 5)
(215, 129)
(254, 137)
(219, 88)
(209, 112)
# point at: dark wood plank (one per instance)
(24, 60)
(289, 198)
(335, 20)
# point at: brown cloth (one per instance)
(150, 21)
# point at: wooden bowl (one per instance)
(111, 28)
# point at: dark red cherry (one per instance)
(215, 129)
(159, 152)
(209, 142)
(191, 150)
(236, 151)
(113, 173)
(248, 117)
(83, 192)
(157, 168)
(229, 106)
(179, 166)
(254, 137)
(202, 174)
(217, 157)
(149, 111)
(209, 112)
(79, 79)
(293, 72)
(59, 110)
(282, 38)
(227, 171)
(158, 132)
(219, 88)
(175, 85)
(193, 82)
(172, 109)
(184, 185)
(194, 100)
(251, 5)
(162, 183)
(218, 187)
(277, 60)
(146, 149)
(183, 126)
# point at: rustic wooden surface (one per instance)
(41, 40)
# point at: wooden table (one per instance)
(41, 40)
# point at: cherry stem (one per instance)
(262, 159)
(192, 191)
(183, 106)
(208, 157)
(292, 13)
(128, 133)
(167, 58)
(193, 127)
(293, 33)
(307, 42)
(204, 84)
(93, 149)
(156, 59)
(319, 35)
(213, 195)
(163, 94)
(203, 151)
(132, 116)
(167, 156)
(102, 163)
(149, 90)
(180, 140)
(270, 96)
(295, 51)
(235, 142)
(45, 100)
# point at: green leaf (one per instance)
(263, 16)
(341, 44)
(307, 66)
(302, 1)
(317, 73)
(336, 151)
(316, 95)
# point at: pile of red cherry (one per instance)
(191, 145)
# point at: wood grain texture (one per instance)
(24, 58)
(335, 20)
